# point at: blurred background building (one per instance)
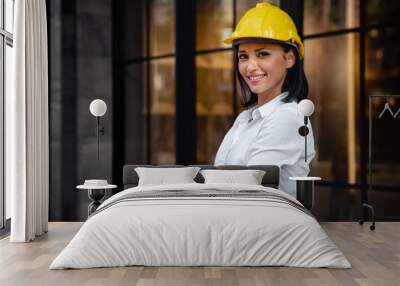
(169, 83)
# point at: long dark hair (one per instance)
(295, 81)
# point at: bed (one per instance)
(201, 224)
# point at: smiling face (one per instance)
(264, 66)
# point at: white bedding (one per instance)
(200, 231)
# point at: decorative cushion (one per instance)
(162, 176)
(248, 177)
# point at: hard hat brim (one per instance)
(234, 41)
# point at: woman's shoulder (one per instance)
(287, 112)
(283, 122)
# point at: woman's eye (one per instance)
(242, 57)
(263, 54)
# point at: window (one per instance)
(214, 76)
(149, 77)
(331, 69)
(352, 52)
(324, 16)
(6, 61)
(332, 63)
(382, 61)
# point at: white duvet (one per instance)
(200, 231)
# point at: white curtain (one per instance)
(27, 143)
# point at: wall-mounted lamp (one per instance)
(98, 108)
(305, 108)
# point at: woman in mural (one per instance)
(269, 66)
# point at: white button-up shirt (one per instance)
(268, 135)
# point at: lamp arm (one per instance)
(303, 131)
(305, 148)
(305, 138)
(98, 131)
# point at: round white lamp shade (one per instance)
(306, 107)
(98, 107)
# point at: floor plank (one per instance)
(375, 257)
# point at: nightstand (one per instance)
(95, 193)
(305, 190)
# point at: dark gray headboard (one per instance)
(271, 177)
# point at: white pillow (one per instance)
(163, 176)
(249, 177)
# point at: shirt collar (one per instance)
(248, 115)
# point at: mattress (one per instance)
(201, 225)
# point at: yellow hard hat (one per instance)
(267, 21)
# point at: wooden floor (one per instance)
(375, 257)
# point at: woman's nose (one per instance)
(252, 64)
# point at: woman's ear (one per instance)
(290, 59)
